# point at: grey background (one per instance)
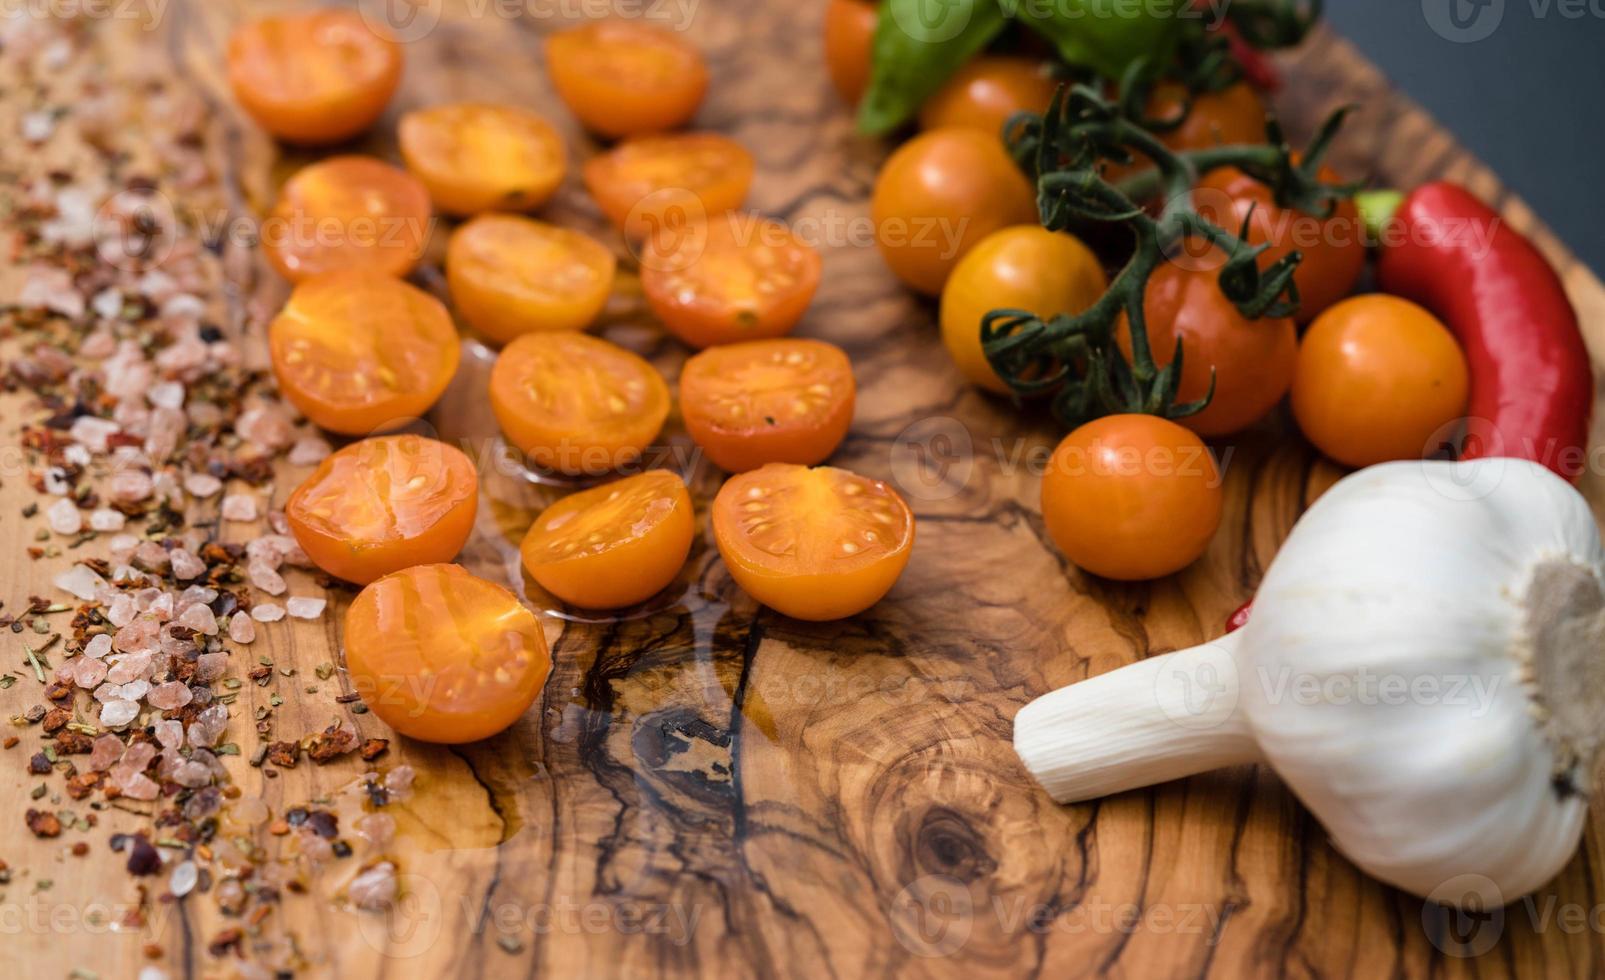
(1526, 98)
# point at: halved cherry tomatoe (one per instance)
(614, 545)
(444, 656)
(476, 156)
(317, 77)
(575, 403)
(814, 543)
(733, 278)
(657, 184)
(360, 352)
(627, 77)
(511, 276)
(383, 504)
(349, 212)
(768, 401)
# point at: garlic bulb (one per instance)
(1424, 667)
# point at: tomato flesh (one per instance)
(575, 403)
(359, 352)
(656, 184)
(314, 78)
(813, 543)
(1132, 497)
(733, 279)
(443, 656)
(348, 213)
(614, 545)
(477, 157)
(768, 401)
(384, 504)
(627, 77)
(510, 276)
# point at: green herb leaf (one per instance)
(1107, 35)
(919, 44)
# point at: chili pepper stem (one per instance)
(1377, 209)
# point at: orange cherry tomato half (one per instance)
(627, 77)
(348, 213)
(575, 403)
(849, 37)
(1251, 360)
(654, 184)
(1026, 267)
(1378, 379)
(477, 157)
(987, 91)
(443, 656)
(384, 504)
(1333, 246)
(511, 276)
(1132, 497)
(359, 352)
(730, 279)
(813, 543)
(768, 401)
(614, 545)
(941, 193)
(313, 78)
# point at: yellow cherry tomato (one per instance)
(511, 276)
(477, 157)
(348, 213)
(627, 77)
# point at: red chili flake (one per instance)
(84, 783)
(225, 941)
(80, 849)
(284, 754)
(74, 743)
(11, 741)
(55, 720)
(373, 748)
(43, 823)
(39, 764)
(142, 856)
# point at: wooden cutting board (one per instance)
(708, 788)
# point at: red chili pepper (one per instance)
(1532, 386)
(1258, 70)
(1239, 617)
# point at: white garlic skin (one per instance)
(1417, 571)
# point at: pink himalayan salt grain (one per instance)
(208, 726)
(202, 485)
(377, 829)
(200, 619)
(137, 636)
(117, 713)
(166, 697)
(267, 612)
(92, 433)
(266, 426)
(210, 667)
(241, 628)
(122, 547)
(140, 787)
(81, 581)
(106, 519)
(64, 517)
(88, 673)
(274, 550)
(309, 451)
(130, 667)
(374, 889)
(239, 507)
(168, 394)
(162, 432)
(398, 782)
(186, 566)
(265, 577)
(305, 607)
(152, 556)
(105, 751)
(98, 646)
(192, 774)
(170, 733)
(134, 690)
(131, 486)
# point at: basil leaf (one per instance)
(919, 44)
(1106, 35)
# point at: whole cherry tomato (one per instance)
(1333, 246)
(510, 276)
(659, 184)
(987, 91)
(614, 545)
(1131, 497)
(627, 77)
(477, 157)
(732, 278)
(443, 656)
(768, 401)
(849, 38)
(313, 78)
(1026, 267)
(938, 195)
(360, 352)
(1378, 378)
(1251, 360)
(348, 213)
(576, 403)
(1235, 115)
(814, 544)
(383, 504)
